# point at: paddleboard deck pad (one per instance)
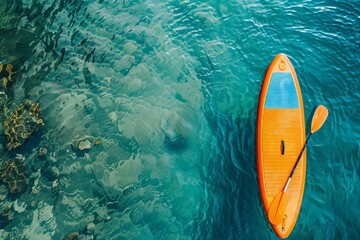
(279, 140)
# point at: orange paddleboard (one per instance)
(280, 137)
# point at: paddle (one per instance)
(278, 205)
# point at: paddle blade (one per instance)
(319, 118)
(277, 209)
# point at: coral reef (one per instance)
(15, 174)
(25, 120)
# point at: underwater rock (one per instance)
(113, 117)
(174, 140)
(19, 207)
(90, 227)
(82, 144)
(97, 142)
(42, 151)
(72, 236)
(15, 174)
(25, 120)
(176, 132)
(6, 216)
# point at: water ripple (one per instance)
(171, 89)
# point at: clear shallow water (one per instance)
(171, 89)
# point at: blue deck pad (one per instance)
(282, 91)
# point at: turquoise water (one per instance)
(171, 90)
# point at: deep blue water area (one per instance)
(166, 94)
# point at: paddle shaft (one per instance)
(297, 162)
